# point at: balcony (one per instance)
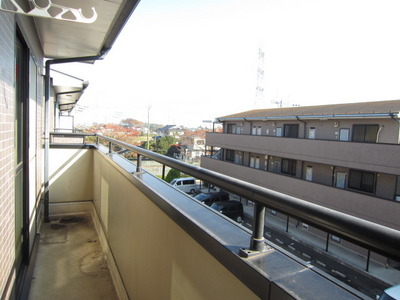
(357, 204)
(381, 158)
(162, 244)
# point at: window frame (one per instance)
(356, 136)
(342, 135)
(288, 130)
(291, 166)
(230, 155)
(230, 128)
(239, 157)
(362, 185)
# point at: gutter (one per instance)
(230, 119)
(332, 116)
(47, 84)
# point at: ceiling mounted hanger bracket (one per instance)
(58, 12)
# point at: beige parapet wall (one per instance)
(156, 259)
(71, 175)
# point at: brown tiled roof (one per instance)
(377, 107)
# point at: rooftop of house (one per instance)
(372, 109)
(167, 127)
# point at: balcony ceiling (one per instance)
(66, 29)
(73, 29)
(67, 97)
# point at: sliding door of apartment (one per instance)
(21, 166)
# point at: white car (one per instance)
(185, 184)
(392, 293)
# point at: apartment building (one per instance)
(342, 156)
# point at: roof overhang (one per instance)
(67, 97)
(74, 28)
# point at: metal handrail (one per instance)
(375, 237)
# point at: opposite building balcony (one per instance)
(374, 157)
(358, 204)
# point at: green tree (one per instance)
(172, 174)
(160, 145)
(173, 151)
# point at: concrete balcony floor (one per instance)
(70, 261)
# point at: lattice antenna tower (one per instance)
(259, 99)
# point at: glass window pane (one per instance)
(344, 134)
(355, 180)
(358, 133)
(363, 181)
(371, 133)
(291, 130)
(367, 182)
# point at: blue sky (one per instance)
(193, 60)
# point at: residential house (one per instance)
(194, 147)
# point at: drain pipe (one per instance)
(398, 121)
(378, 134)
(47, 86)
(305, 126)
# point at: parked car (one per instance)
(231, 209)
(185, 184)
(392, 293)
(210, 198)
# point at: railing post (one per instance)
(139, 163)
(368, 259)
(257, 243)
(163, 171)
(287, 224)
(327, 242)
(257, 239)
(110, 147)
(97, 140)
